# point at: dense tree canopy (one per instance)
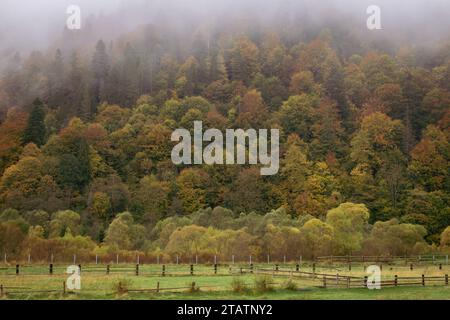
(365, 155)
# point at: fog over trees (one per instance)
(28, 25)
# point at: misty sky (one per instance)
(34, 24)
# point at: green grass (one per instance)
(400, 293)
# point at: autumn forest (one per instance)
(85, 143)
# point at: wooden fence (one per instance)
(193, 287)
(11, 290)
(161, 270)
(179, 270)
(215, 259)
(346, 281)
(385, 259)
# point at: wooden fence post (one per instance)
(192, 269)
(395, 280)
(440, 266)
(215, 268)
(411, 267)
(423, 280)
(1, 290)
(349, 266)
(157, 287)
(50, 268)
(365, 282)
(17, 269)
(297, 268)
(276, 267)
(446, 279)
(348, 282)
(64, 287)
(324, 281)
(164, 270)
(251, 267)
(193, 286)
(314, 269)
(107, 269)
(137, 269)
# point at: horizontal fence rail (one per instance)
(387, 259)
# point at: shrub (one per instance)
(263, 284)
(290, 285)
(238, 285)
(121, 286)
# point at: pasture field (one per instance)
(35, 282)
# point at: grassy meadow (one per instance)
(34, 282)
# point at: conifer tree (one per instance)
(35, 131)
(100, 70)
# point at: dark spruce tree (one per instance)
(100, 70)
(35, 131)
(56, 94)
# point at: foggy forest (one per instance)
(86, 118)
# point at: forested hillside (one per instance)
(85, 144)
